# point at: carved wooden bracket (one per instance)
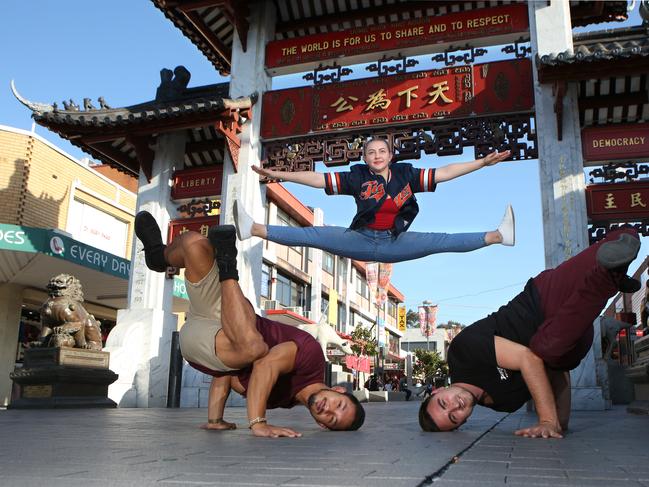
(230, 125)
(144, 153)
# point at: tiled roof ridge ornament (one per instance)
(36, 107)
(643, 9)
(68, 105)
(172, 83)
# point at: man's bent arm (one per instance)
(265, 372)
(514, 356)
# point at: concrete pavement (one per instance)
(165, 447)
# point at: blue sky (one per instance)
(76, 49)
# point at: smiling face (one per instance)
(331, 409)
(450, 407)
(378, 156)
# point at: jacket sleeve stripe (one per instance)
(431, 179)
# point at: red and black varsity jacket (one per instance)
(370, 191)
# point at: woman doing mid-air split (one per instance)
(386, 207)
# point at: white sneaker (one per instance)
(242, 222)
(507, 227)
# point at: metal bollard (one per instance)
(175, 372)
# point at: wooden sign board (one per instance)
(482, 89)
(617, 202)
(182, 225)
(486, 26)
(196, 182)
(621, 142)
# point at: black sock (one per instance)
(223, 239)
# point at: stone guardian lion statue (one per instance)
(65, 322)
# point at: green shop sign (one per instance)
(55, 244)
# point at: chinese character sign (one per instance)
(617, 202)
(453, 92)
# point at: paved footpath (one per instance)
(164, 447)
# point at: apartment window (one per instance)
(342, 317)
(289, 293)
(328, 262)
(361, 286)
(392, 309)
(324, 305)
(265, 281)
(285, 220)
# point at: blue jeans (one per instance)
(375, 245)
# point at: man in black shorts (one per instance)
(272, 364)
(526, 349)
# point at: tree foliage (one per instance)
(429, 364)
(412, 319)
(364, 342)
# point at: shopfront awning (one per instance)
(31, 256)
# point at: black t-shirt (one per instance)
(472, 354)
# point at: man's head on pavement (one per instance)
(335, 409)
(446, 409)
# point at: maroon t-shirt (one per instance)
(308, 369)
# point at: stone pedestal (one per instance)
(64, 378)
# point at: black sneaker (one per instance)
(148, 231)
(224, 240)
(628, 285)
(618, 253)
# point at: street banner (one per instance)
(332, 315)
(431, 317)
(423, 323)
(362, 364)
(372, 277)
(385, 272)
(402, 318)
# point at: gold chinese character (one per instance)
(610, 201)
(184, 230)
(439, 89)
(377, 100)
(343, 105)
(636, 200)
(203, 230)
(409, 94)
